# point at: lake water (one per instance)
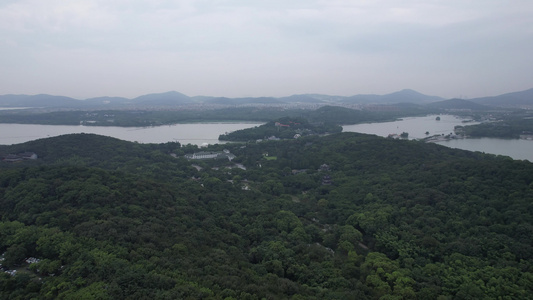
(417, 127)
(196, 134)
(515, 148)
(207, 133)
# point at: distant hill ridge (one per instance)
(458, 104)
(174, 98)
(515, 99)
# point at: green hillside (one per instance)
(282, 128)
(346, 216)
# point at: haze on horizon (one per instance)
(84, 49)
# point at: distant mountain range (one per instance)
(458, 104)
(403, 96)
(516, 99)
(173, 98)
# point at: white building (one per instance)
(211, 155)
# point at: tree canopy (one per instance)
(345, 216)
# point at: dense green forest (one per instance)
(326, 114)
(500, 124)
(283, 128)
(507, 128)
(345, 216)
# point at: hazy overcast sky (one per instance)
(89, 48)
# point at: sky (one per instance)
(251, 48)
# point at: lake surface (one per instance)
(207, 133)
(196, 133)
(515, 148)
(417, 127)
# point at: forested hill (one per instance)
(139, 118)
(346, 216)
(91, 150)
(283, 128)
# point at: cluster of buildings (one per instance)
(326, 179)
(19, 157)
(278, 124)
(211, 155)
(526, 135)
(28, 260)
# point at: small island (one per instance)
(283, 128)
